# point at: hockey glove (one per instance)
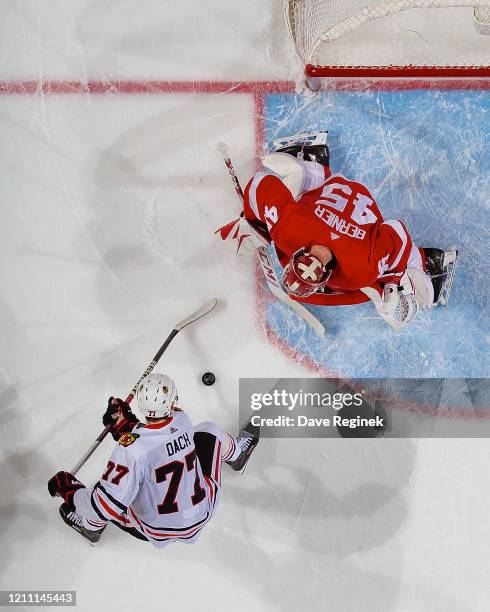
(396, 304)
(119, 416)
(65, 485)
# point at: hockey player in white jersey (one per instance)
(162, 481)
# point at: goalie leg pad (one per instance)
(289, 169)
(422, 286)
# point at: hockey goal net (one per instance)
(391, 37)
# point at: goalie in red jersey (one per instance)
(332, 241)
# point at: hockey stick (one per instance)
(195, 316)
(265, 258)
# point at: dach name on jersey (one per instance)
(178, 444)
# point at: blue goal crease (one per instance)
(424, 154)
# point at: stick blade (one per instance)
(195, 316)
(303, 312)
(223, 149)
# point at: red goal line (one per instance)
(355, 78)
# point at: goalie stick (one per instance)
(266, 261)
(195, 316)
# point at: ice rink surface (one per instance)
(110, 197)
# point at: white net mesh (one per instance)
(390, 32)
(482, 14)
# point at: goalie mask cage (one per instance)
(390, 38)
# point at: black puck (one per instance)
(208, 378)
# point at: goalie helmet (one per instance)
(305, 274)
(156, 396)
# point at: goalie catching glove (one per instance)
(305, 274)
(397, 304)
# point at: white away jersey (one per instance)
(154, 482)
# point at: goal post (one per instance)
(391, 38)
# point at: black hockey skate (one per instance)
(247, 440)
(441, 267)
(309, 146)
(75, 521)
(318, 153)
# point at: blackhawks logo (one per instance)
(128, 438)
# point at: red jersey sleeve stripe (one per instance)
(252, 193)
(110, 511)
(402, 253)
(217, 463)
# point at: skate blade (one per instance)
(450, 263)
(92, 543)
(242, 471)
(305, 138)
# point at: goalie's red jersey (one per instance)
(341, 214)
